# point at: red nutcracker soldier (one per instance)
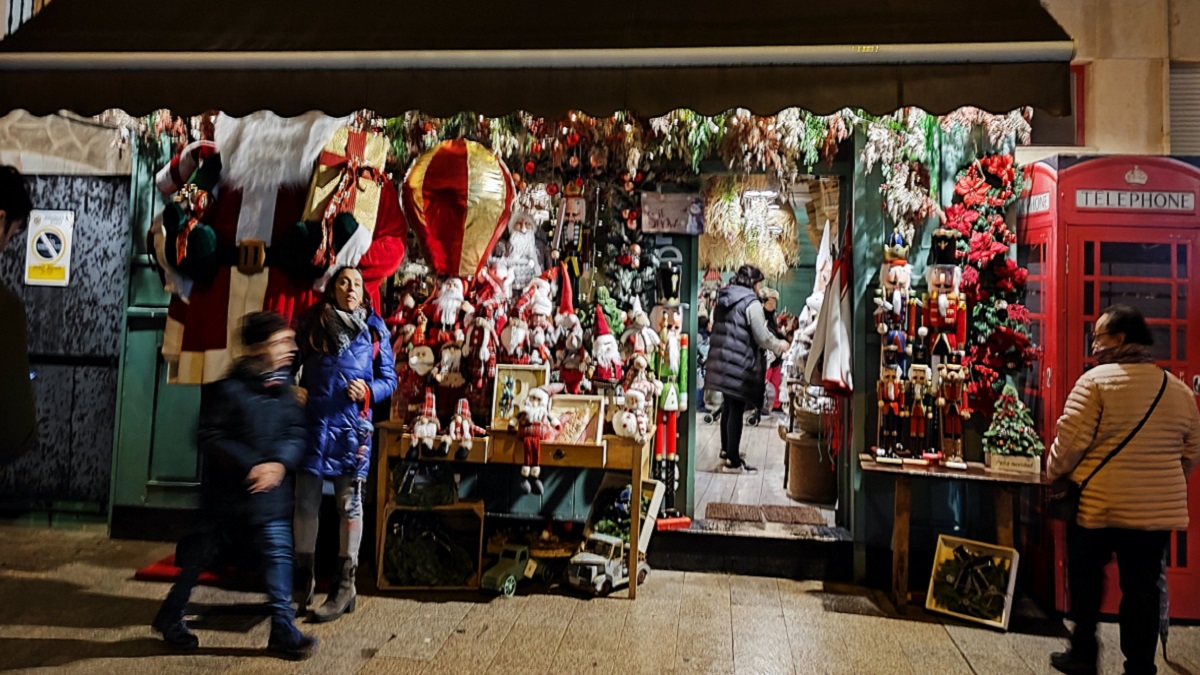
(670, 367)
(952, 405)
(535, 424)
(461, 432)
(890, 393)
(920, 410)
(945, 307)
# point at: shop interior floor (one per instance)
(761, 449)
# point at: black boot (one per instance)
(290, 643)
(342, 595)
(464, 451)
(305, 584)
(169, 622)
(1073, 663)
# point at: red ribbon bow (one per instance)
(354, 171)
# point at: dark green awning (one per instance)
(543, 57)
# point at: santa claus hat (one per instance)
(463, 409)
(637, 396)
(601, 323)
(429, 409)
(566, 301)
(543, 306)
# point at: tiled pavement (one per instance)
(68, 604)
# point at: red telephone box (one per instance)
(1094, 232)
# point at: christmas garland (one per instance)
(994, 284)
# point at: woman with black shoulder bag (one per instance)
(1128, 437)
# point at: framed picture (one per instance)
(672, 213)
(512, 385)
(973, 581)
(581, 418)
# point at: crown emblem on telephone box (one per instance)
(1136, 176)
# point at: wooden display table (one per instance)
(1006, 484)
(613, 453)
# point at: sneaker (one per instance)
(1067, 662)
(740, 467)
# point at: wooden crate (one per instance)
(461, 522)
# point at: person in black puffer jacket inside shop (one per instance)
(736, 361)
(252, 435)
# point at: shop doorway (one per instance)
(765, 501)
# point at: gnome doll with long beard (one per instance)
(606, 354)
(535, 424)
(524, 259)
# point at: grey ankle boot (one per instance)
(342, 595)
(305, 583)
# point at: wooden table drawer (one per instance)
(583, 456)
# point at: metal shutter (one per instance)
(1185, 109)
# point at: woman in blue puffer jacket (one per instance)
(347, 367)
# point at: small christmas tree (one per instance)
(1012, 431)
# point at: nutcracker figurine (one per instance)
(890, 394)
(570, 237)
(895, 284)
(952, 404)
(461, 432)
(670, 365)
(920, 409)
(945, 307)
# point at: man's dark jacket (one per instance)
(248, 419)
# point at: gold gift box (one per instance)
(332, 165)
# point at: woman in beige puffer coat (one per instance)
(1131, 505)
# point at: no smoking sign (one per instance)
(48, 251)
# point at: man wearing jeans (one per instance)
(252, 435)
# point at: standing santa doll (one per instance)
(534, 424)
(605, 352)
(249, 250)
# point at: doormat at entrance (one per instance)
(793, 515)
(748, 513)
(165, 570)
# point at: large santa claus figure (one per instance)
(252, 217)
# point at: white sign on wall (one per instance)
(48, 248)
(1135, 200)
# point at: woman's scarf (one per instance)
(343, 327)
(1126, 353)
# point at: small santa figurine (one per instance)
(515, 340)
(535, 423)
(570, 357)
(539, 288)
(461, 432)
(542, 335)
(424, 429)
(447, 310)
(606, 354)
(482, 349)
(638, 335)
(631, 421)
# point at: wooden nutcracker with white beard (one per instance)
(606, 354)
(461, 433)
(670, 366)
(895, 285)
(535, 424)
(890, 393)
(570, 237)
(921, 407)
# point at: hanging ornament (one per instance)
(458, 198)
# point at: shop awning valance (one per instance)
(545, 57)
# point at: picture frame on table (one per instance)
(510, 388)
(581, 418)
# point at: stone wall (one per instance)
(62, 145)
